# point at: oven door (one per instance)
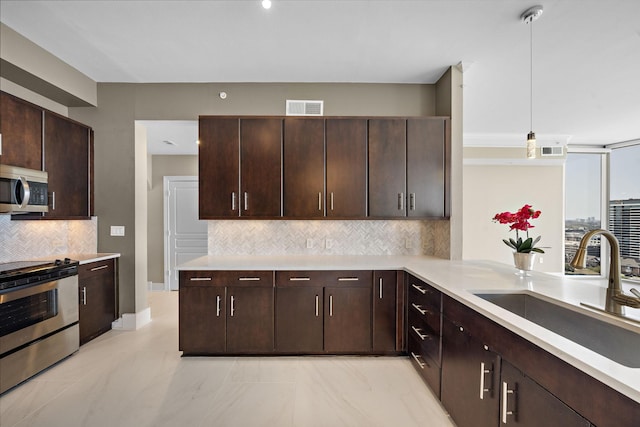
(33, 312)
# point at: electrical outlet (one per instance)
(328, 243)
(117, 230)
(309, 243)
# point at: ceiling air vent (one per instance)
(304, 108)
(552, 151)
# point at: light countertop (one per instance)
(460, 280)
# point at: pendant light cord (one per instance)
(531, 76)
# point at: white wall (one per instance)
(493, 186)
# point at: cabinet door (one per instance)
(202, 318)
(299, 319)
(525, 403)
(21, 129)
(387, 168)
(303, 168)
(261, 167)
(470, 372)
(66, 159)
(347, 319)
(219, 167)
(346, 167)
(384, 311)
(426, 167)
(250, 319)
(96, 308)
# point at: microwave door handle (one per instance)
(23, 192)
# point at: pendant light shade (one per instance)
(528, 16)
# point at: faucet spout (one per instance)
(614, 288)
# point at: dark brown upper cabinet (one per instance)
(346, 168)
(387, 168)
(303, 177)
(67, 148)
(240, 167)
(21, 129)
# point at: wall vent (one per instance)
(552, 151)
(304, 108)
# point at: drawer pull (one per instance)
(417, 359)
(380, 287)
(102, 267)
(348, 279)
(200, 279)
(420, 289)
(218, 299)
(505, 410)
(331, 305)
(299, 279)
(418, 332)
(317, 305)
(419, 308)
(249, 279)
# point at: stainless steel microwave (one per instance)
(23, 190)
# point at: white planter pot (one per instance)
(524, 261)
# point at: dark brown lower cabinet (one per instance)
(385, 312)
(347, 319)
(97, 298)
(525, 403)
(470, 373)
(299, 319)
(226, 312)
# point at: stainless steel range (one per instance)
(38, 317)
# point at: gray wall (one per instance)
(119, 105)
(162, 166)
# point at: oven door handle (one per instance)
(27, 291)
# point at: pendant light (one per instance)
(528, 16)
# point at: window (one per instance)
(588, 181)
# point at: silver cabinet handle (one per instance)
(249, 279)
(505, 411)
(400, 201)
(332, 200)
(246, 201)
(218, 299)
(412, 201)
(233, 305)
(331, 305)
(53, 200)
(417, 359)
(320, 201)
(419, 308)
(102, 267)
(483, 372)
(417, 331)
(299, 279)
(200, 279)
(348, 279)
(84, 295)
(317, 305)
(422, 290)
(380, 288)
(233, 201)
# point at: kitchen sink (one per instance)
(613, 342)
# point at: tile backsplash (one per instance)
(278, 237)
(24, 240)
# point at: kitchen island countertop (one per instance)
(461, 280)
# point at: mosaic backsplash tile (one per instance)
(278, 237)
(24, 240)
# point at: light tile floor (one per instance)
(138, 379)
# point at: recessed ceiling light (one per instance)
(266, 4)
(169, 142)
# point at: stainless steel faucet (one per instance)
(616, 299)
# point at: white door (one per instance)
(185, 235)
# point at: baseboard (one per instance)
(155, 287)
(132, 321)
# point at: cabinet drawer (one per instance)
(105, 267)
(427, 338)
(427, 367)
(324, 278)
(422, 294)
(226, 278)
(425, 313)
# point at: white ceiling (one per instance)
(586, 75)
